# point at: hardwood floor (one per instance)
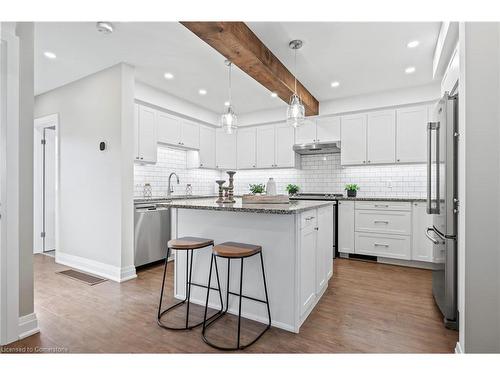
(368, 307)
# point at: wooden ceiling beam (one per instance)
(237, 43)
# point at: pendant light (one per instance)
(295, 113)
(229, 120)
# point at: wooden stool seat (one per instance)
(189, 243)
(236, 250)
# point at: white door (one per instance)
(147, 134)
(422, 248)
(308, 239)
(169, 129)
(353, 139)
(411, 134)
(225, 152)
(346, 226)
(328, 129)
(246, 148)
(207, 147)
(265, 147)
(381, 137)
(306, 133)
(49, 190)
(190, 136)
(284, 139)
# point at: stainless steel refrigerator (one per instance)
(442, 203)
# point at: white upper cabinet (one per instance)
(190, 135)
(381, 137)
(284, 139)
(411, 134)
(207, 147)
(169, 128)
(353, 139)
(306, 133)
(146, 134)
(246, 148)
(177, 132)
(328, 129)
(225, 150)
(266, 146)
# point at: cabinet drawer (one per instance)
(386, 221)
(382, 245)
(383, 205)
(308, 218)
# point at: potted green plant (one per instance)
(257, 188)
(292, 189)
(351, 190)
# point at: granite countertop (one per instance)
(167, 199)
(388, 199)
(293, 207)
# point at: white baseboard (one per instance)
(458, 348)
(408, 263)
(28, 325)
(107, 271)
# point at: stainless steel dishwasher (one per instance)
(151, 233)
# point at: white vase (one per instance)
(271, 187)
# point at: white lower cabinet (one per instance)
(315, 254)
(422, 248)
(383, 245)
(387, 229)
(346, 226)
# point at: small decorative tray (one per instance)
(265, 199)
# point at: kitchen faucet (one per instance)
(170, 188)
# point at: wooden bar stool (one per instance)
(234, 250)
(188, 244)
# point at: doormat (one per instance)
(83, 277)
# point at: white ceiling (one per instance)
(363, 57)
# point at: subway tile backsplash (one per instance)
(319, 173)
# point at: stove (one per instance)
(317, 196)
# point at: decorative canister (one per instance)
(189, 189)
(271, 187)
(147, 190)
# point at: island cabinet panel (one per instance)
(225, 152)
(246, 148)
(324, 257)
(307, 263)
(346, 226)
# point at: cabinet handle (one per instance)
(316, 228)
(369, 161)
(397, 160)
(309, 218)
(142, 158)
(381, 221)
(381, 205)
(380, 244)
(364, 161)
(253, 166)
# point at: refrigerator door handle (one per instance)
(430, 127)
(433, 240)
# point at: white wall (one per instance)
(364, 102)
(95, 187)
(479, 184)
(174, 105)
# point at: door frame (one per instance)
(9, 184)
(40, 123)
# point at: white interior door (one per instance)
(49, 190)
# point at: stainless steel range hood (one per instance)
(317, 148)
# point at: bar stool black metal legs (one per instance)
(188, 244)
(234, 250)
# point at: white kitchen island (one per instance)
(296, 240)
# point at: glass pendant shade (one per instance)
(295, 113)
(229, 120)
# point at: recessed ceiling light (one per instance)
(202, 92)
(227, 103)
(410, 70)
(335, 84)
(104, 27)
(413, 44)
(168, 75)
(49, 55)
(274, 95)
